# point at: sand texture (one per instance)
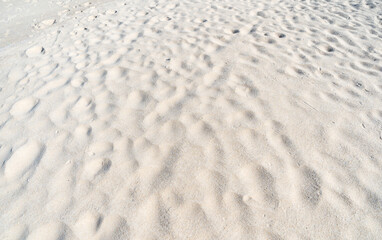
(196, 120)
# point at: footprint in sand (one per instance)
(23, 160)
(35, 51)
(24, 106)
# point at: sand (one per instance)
(191, 120)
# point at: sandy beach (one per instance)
(191, 119)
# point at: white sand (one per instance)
(191, 120)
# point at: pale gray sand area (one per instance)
(191, 120)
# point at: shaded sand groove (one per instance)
(195, 120)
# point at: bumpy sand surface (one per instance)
(194, 120)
